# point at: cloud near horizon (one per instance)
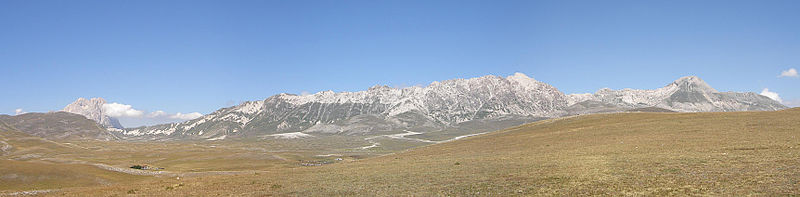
(188, 116)
(772, 95)
(789, 73)
(18, 111)
(156, 114)
(179, 115)
(132, 117)
(121, 110)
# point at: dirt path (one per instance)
(27, 193)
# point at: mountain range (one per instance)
(687, 94)
(463, 106)
(440, 106)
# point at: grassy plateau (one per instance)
(621, 154)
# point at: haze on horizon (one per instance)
(178, 59)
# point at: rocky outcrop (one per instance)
(687, 94)
(93, 110)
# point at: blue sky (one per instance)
(198, 56)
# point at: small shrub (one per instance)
(458, 163)
(671, 170)
(275, 186)
(169, 188)
(137, 167)
(133, 191)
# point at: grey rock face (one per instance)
(451, 106)
(378, 109)
(687, 94)
(93, 110)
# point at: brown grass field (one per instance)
(631, 154)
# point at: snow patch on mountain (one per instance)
(292, 135)
(250, 107)
(217, 138)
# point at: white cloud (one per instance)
(131, 117)
(772, 95)
(188, 116)
(159, 114)
(157, 117)
(18, 111)
(789, 73)
(156, 114)
(121, 110)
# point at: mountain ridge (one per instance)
(434, 107)
(441, 105)
(686, 94)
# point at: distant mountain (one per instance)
(455, 107)
(56, 125)
(93, 109)
(379, 109)
(687, 94)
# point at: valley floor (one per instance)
(729, 153)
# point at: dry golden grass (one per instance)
(732, 153)
(33, 175)
(35, 163)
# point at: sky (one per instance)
(156, 59)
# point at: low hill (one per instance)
(717, 153)
(57, 125)
(34, 163)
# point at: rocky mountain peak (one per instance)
(523, 80)
(520, 77)
(379, 87)
(687, 94)
(93, 110)
(693, 83)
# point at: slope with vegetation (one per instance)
(57, 126)
(29, 162)
(719, 153)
